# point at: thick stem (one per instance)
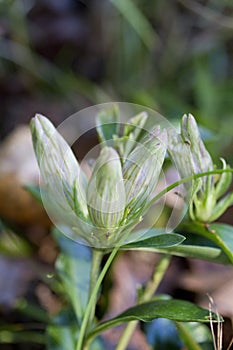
(148, 293)
(92, 301)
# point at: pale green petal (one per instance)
(105, 193)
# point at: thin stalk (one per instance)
(187, 338)
(97, 256)
(92, 300)
(148, 293)
(186, 179)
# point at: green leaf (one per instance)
(20, 336)
(220, 234)
(74, 266)
(59, 338)
(12, 244)
(176, 310)
(197, 252)
(64, 332)
(159, 240)
(34, 311)
(107, 124)
(138, 21)
(194, 246)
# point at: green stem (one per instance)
(92, 300)
(97, 256)
(148, 293)
(187, 338)
(186, 179)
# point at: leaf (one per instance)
(158, 241)
(74, 266)
(12, 244)
(107, 124)
(137, 20)
(17, 336)
(59, 338)
(194, 246)
(64, 332)
(196, 252)
(176, 310)
(34, 311)
(195, 336)
(220, 234)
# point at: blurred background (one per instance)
(58, 57)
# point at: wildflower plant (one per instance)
(101, 212)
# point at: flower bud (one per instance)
(191, 157)
(63, 184)
(191, 136)
(105, 192)
(142, 168)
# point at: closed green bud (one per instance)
(142, 168)
(191, 157)
(191, 136)
(62, 182)
(105, 192)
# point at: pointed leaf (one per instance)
(159, 240)
(107, 124)
(176, 310)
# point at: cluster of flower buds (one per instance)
(191, 157)
(100, 211)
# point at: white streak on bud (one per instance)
(105, 192)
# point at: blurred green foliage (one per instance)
(173, 56)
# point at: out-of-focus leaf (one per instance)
(137, 20)
(64, 332)
(107, 124)
(74, 266)
(21, 336)
(61, 337)
(32, 310)
(220, 234)
(176, 310)
(13, 244)
(195, 336)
